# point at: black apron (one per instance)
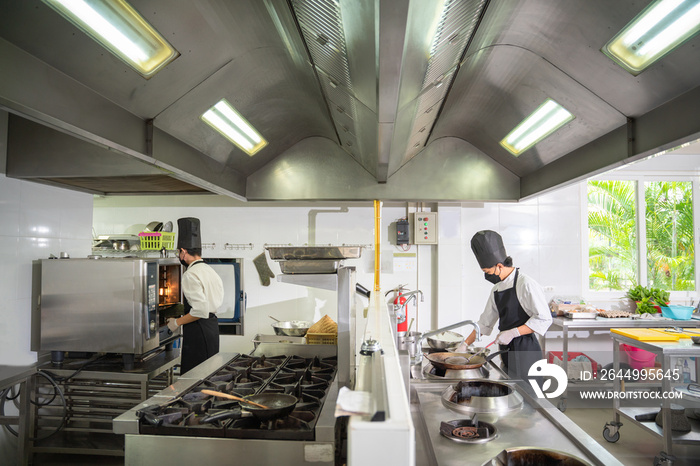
(200, 339)
(523, 351)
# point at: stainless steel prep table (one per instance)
(667, 350)
(603, 324)
(95, 396)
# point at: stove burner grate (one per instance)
(468, 431)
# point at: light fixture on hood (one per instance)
(120, 29)
(660, 28)
(549, 117)
(227, 121)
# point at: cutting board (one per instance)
(689, 332)
(646, 334)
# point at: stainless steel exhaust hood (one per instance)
(388, 99)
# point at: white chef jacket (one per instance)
(203, 289)
(531, 297)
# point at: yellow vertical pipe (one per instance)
(377, 241)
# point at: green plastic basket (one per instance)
(155, 241)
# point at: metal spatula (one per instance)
(478, 352)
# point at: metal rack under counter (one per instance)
(666, 350)
(602, 324)
(94, 396)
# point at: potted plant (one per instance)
(648, 300)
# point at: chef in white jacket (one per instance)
(516, 302)
(203, 290)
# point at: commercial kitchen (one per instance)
(381, 136)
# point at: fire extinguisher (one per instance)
(401, 318)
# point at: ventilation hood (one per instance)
(358, 100)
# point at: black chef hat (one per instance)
(488, 248)
(189, 235)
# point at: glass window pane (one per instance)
(669, 226)
(612, 235)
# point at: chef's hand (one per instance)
(462, 347)
(172, 324)
(507, 336)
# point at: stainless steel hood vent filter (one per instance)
(455, 30)
(321, 24)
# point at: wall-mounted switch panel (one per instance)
(425, 228)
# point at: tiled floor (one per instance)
(636, 446)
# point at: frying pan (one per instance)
(264, 406)
(278, 405)
(455, 361)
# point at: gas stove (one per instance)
(197, 414)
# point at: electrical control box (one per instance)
(402, 231)
(425, 228)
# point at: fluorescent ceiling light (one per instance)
(549, 117)
(226, 120)
(121, 30)
(660, 28)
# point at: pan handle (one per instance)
(493, 355)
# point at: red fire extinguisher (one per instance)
(402, 325)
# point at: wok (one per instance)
(456, 361)
(278, 405)
(291, 328)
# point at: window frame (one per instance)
(639, 178)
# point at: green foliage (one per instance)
(670, 253)
(647, 298)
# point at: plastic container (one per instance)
(155, 241)
(575, 367)
(638, 358)
(322, 338)
(677, 312)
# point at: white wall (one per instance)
(542, 236)
(35, 222)
(272, 224)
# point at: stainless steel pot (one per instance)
(445, 340)
(292, 328)
(121, 245)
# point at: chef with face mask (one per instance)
(203, 292)
(516, 302)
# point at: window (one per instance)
(669, 232)
(624, 226)
(612, 235)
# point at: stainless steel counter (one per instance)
(537, 424)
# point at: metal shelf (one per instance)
(691, 437)
(326, 281)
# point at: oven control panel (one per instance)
(151, 323)
(425, 228)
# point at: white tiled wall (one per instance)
(542, 236)
(36, 221)
(274, 225)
